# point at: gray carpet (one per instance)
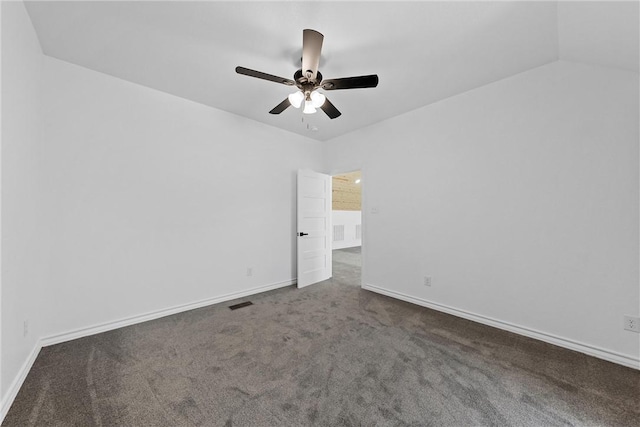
(329, 354)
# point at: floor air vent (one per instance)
(242, 304)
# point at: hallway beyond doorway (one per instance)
(347, 266)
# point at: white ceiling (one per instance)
(422, 52)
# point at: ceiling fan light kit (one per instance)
(308, 80)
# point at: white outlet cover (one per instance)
(632, 323)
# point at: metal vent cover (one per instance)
(240, 305)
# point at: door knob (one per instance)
(303, 234)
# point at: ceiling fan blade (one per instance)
(264, 76)
(330, 109)
(311, 48)
(359, 82)
(280, 107)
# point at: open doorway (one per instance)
(346, 217)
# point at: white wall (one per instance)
(349, 220)
(600, 33)
(523, 207)
(23, 265)
(155, 201)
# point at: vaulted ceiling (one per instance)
(422, 51)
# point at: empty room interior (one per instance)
(168, 249)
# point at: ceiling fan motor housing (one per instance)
(305, 84)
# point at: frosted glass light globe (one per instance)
(308, 107)
(317, 99)
(296, 99)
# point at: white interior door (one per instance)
(314, 226)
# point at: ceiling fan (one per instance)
(308, 80)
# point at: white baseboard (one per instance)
(7, 401)
(601, 353)
(14, 388)
(108, 326)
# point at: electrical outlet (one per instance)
(249, 271)
(632, 323)
(427, 280)
(25, 328)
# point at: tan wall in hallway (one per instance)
(347, 195)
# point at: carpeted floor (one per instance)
(329, 354)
